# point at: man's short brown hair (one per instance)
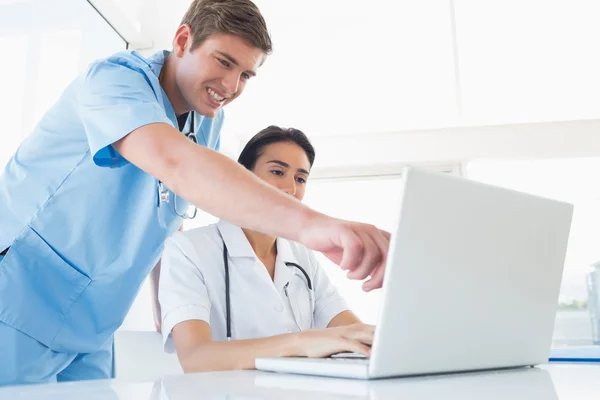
(237, 17)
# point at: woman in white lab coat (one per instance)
(230, 295)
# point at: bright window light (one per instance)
(528, 60)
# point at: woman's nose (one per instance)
(290, 188)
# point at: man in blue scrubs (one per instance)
(89, 197)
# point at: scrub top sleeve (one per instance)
(328, 301)
(114, 100)
(182, 290)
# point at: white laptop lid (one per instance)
(475, 278)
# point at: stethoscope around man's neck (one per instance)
(308, 282)
(164, 195)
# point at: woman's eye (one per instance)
(225, 63)
(277, 172)
(301, 180)
(245, 76)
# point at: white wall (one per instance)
(448, 146)
(125, 17)
(162, 29)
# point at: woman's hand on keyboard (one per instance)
(355, 338)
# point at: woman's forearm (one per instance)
(239, 354)
(344, 318)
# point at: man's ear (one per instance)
(182, 41)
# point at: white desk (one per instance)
(551, 382)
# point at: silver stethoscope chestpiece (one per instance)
(163, 192)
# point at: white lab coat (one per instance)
(192, 286)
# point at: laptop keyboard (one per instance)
(349, 360)
(337, 360)
(347, 355)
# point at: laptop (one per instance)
(471, 283)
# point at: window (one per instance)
(574, 181)
(528, 60)
(47, 43)
(406, 65)
(339, 67)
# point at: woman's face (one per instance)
(285, 166)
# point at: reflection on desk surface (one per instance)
(550, 382)
(529, 383)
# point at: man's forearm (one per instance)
(223, 188)
(213, 182)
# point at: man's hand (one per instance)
(358, 248)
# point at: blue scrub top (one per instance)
(82, 223)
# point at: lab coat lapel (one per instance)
(283, 273)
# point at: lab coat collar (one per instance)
(237, 243)
(238, 246)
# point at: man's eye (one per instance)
(225, 63)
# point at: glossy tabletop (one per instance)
(551, 382)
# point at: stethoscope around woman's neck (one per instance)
(228, 294)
